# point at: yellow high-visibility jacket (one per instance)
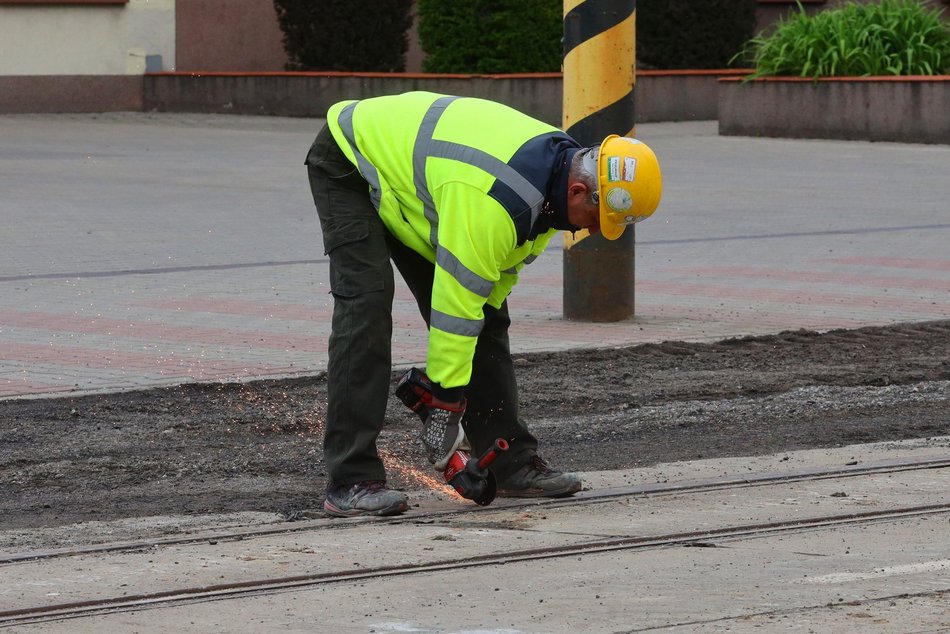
(462, 182)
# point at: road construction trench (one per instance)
(328, 551)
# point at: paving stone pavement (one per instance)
(140, 250)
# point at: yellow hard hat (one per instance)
(629, 184)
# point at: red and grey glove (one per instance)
(442, 432)
(441, 413)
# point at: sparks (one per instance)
(416, 476)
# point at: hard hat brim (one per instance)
(608, 228)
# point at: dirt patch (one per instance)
(230, 448)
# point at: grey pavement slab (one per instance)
(151, 249)
(885, 576)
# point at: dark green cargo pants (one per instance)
(360, 359)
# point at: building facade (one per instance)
(129, 37)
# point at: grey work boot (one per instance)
(537, 479)
(370, 497)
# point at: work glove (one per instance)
(441, 416)
(442, 431)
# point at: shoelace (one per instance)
(362, 489)
(539, 465)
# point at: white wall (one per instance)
(86, 39)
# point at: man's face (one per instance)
(580, 211)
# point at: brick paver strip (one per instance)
(902, 263)
(847, 279)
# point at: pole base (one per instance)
(599, 279)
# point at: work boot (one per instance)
(370, 497)
(537, 479)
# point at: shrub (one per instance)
(892, 37)
(511, 36)
(689, 34)
(345, 35)
(491, 36)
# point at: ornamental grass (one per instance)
(890, 37)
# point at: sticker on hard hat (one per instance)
(613, 168)
(629, 168)
(619, 199)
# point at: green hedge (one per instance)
(512, 36)
(345, 35)
(491, 36)
(690, 34)
(498, 36)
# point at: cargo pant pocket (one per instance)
(359, 257)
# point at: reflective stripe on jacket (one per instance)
(461, 181)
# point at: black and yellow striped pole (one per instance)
(599, 77)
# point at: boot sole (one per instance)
(539, 493)
(392, 509)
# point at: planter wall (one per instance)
(660, 96)
(70, 93)
(898, 109)
(311, 94)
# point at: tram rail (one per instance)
(705, 538)
(584, 497)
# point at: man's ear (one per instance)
(577, 188)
